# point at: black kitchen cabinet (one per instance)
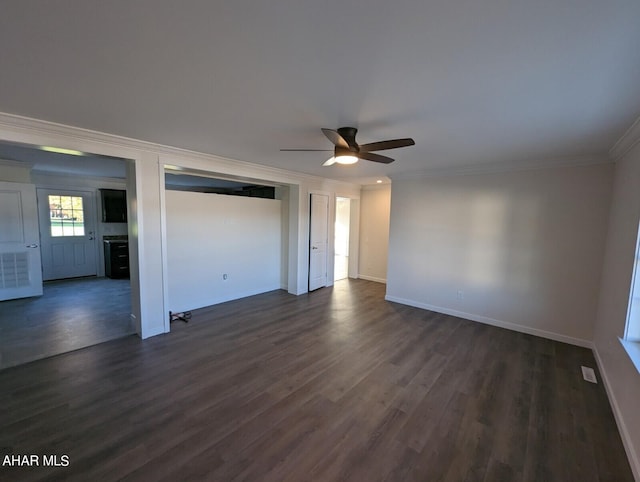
(116, 259)
(114, 205)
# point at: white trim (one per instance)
(163, 246)
(500, 167)
(490, 321)
(372, 278)
(627, 142)
(238, 296)
(633, 350)
(77, 138)
(632, 455)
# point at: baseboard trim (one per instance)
(196, 305)
(158, 330)
(498, 323)
(372, 278)
(632, 455)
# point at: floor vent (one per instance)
(14, 270)
(588, 374)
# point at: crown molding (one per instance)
(504, 167)
(168, 154)
(627, 142)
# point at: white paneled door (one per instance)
(20, 270)
(318, 237)
(67, 233)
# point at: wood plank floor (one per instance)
(71, 314)
(334, 385)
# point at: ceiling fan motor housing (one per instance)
(349, 135)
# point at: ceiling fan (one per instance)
(347, 150)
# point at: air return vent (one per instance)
(14, 270)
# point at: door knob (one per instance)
(32, 246)
(90, 238)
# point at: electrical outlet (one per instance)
(460, 295)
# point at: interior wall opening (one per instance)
(226, 238)
(59, 194)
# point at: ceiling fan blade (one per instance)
(370, 156)
(329, 162)
(335, 138)
(306, 150)
(391, 144)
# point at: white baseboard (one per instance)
(204, 303)
(156, 330)
(372, 278)
(490, 321)
(632, 455)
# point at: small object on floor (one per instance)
(182, 316)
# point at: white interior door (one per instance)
(67, 233)
(318, 241)
(20, 270)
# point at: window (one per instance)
(66, 216)
(631, 340)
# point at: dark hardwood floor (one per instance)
(71, 314)
(334, 385)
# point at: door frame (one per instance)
(330, 234)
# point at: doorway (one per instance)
(49, 211)
(341, 238)
(318, 241)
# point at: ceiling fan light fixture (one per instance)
(346, 159)
(347, 151)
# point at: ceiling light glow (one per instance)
(346, 159)
(60, 150)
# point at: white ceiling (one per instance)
(472, 81)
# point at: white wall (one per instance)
(622, 379)
(209, 235)
(521, 250)
(12, 171)
(375, 204)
